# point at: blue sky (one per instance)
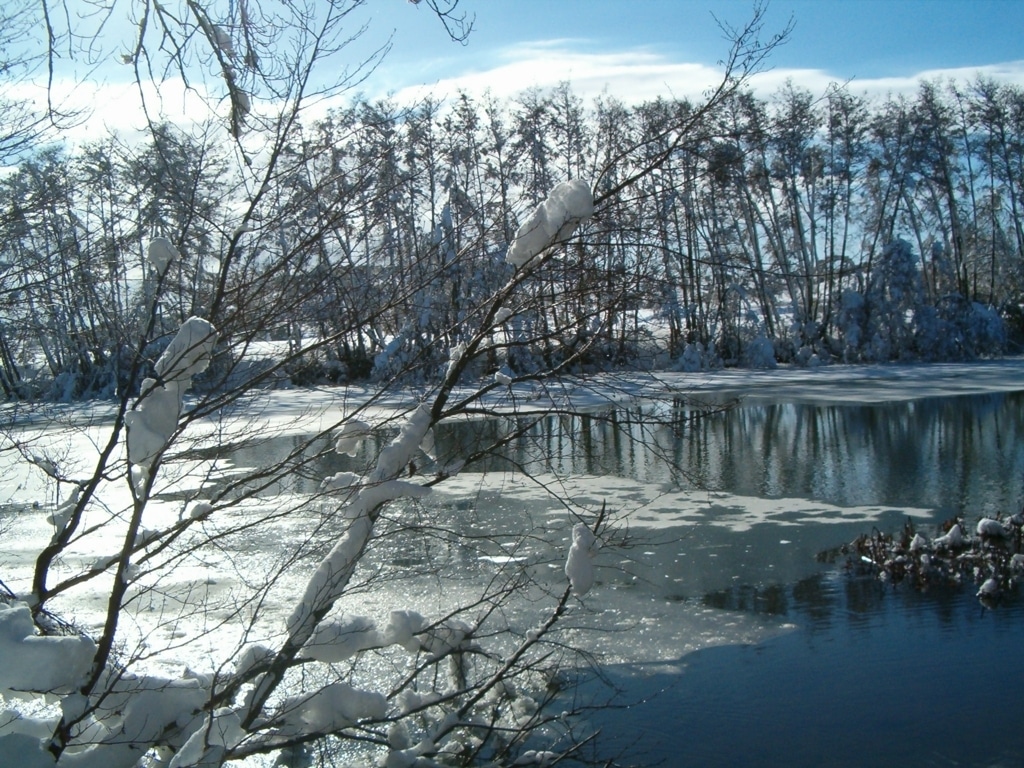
(876, 43)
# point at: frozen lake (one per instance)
(713, 615)
(754, 649)
(723, 623)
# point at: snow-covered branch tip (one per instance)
(155, 418)
(568, 205)
(579, 565)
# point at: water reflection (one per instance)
(953, 454)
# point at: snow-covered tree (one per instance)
(144, 632)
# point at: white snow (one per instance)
(553, 221)
(334, 706)
(188, 353)
(155, 418)
(31, 662)
(403, 628)
(953, 539)
(153, 422)
(220, 732)
(160, 253)
(989, 588)
(351, 436)
(991, 528)
(579, 566)
(337, 639)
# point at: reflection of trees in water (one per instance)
(824, 600)
(951, 453)
(955, 454)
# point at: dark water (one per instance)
(871, 677)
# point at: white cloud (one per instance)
(633, 76)
(639, 75)
(817, 81)
(105, 107)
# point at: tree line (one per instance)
(795, 227)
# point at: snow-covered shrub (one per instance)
(852, 325)
(760, 353)
(694, 358)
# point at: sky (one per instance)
(634, 50)
(640, 49)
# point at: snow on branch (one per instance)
(568, 205)
(579, 566)
(154, 420)
(36, 663)
(381, 486)
(161, 252)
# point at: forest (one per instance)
(796, 227)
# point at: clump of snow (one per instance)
(540, 757)
(252, 656)
(403, 628)
(22, 749)
(338, 639)
(155, 418)
(340, 481)
(152, 423)
(207, 745)
(351, 435)
(332, 708)
(31, 662)
(579, 566)
(553, 221)
(60, 516)
(160, 253)
(989, 588)
(455, 354)
(200, 509)
(990, 528)
(918, 543)
(189, 351)
(953, 539)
